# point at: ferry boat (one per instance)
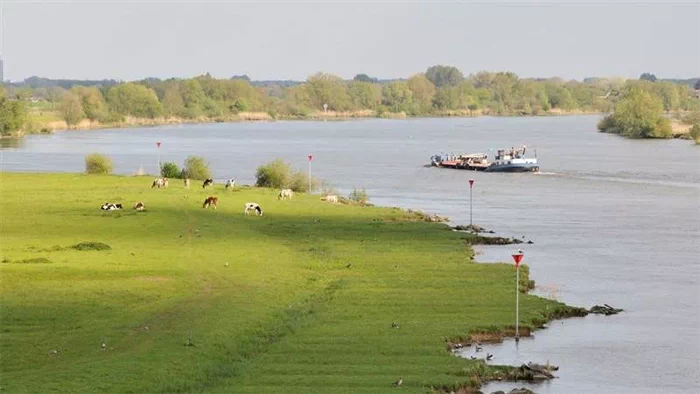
(506, 160)
(513, 160)
(472, 161)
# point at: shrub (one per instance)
(359, 195)
(299, 182)
(96, 163)
(275, 174)
(196, 168)
(170, 170)
(278, 175)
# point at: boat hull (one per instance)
(513, 168)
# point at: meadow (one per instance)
(185, 299)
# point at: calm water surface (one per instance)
(614, 221)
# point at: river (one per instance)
(613, 220)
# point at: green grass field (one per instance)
(268, 302)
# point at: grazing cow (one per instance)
(210, 201)
(332, 199)
(139, 206)
(207, 183)
(187, 183)
(230, 184)
(108, 206)
(160, 182)
(251, 206)
(285, 194)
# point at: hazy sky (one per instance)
(291, 40)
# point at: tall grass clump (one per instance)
(196, 168)
(96, 163)
(170, 170)
(278, 175)
(359, 196)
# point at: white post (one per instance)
(517, 302)
(471, 224)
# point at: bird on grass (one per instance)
(489, 356)
(478, 347)
(398, 382)
(349, 265)
(104, 346)
(473, 358)
(394, 325)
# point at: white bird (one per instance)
(398, 382)
(104, 346)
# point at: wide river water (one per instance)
(613, 220)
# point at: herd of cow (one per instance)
(212, 201)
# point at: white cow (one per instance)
(332, 199)
(160, 182)
(285, 194)
(230, 184)
(252, 206)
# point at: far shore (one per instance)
(680, 130)
(52, 126)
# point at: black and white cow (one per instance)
(230, 183)
(252, 206)
(207, 183)
(108, 206)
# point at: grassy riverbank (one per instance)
(300, 300)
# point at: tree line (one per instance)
(440, 90)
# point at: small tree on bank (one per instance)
(170, 170)
(196, 168)
(637, 115)
(278, 175)
(71, 109)
(96, 163)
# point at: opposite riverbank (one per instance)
(310, 297)
(46, 122)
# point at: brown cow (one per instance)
(210, 201)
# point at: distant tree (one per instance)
(441, 75)
(647, 77)
(241, 77)
(135, 100)
(446, 98)
(173, 105)
(94, 105)
(472, 108)
(13, 115)
(71, 109)
(422, 91)
(365, 95)
(638, 114)
(397, 96)
(328, 89)
(364, 78)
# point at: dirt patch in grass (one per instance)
(152, 278)
(36, 260)
(88, 246)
